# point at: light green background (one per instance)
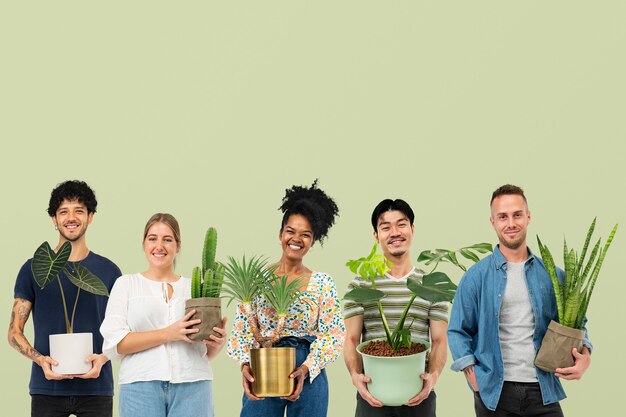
(209, 110)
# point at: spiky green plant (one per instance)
(244, 281)
(573, 294)
(280, 293)
(46, 266)
(434, 286)
(206, 281)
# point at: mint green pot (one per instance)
(397, 379)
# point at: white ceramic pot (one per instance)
(70, 350)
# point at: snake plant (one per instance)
(574, 292)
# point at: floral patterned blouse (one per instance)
(316, 313)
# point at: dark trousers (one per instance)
(427, 408)
(64, 406)
(518, 399)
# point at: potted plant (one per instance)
(388, 360)
(206, 286)
(572, 294)
(271, 366)
(68, 349)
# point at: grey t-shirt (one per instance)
(517, 325)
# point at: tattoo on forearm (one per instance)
(18, 346)
(23, 313)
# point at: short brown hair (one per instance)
(166, 219)
(507, 189)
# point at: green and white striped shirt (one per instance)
(395, 301)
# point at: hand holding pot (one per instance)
(97, 362)
(581, 363)
(429, 384)
(215, 344)
(360, 382)
(46, 363)
(179, 329)
(300, 375)
(247, 380)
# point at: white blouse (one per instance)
(138, 304)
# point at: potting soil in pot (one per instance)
(382, 348)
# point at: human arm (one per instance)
(436, 360)
(463, 327)
(330, 331)
(238, 348)
(19, 315)
(139, 341)
(120, 339)
(353, 360)
(215, 344)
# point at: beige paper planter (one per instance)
(271, 368)
(209, 310)
(556, 347)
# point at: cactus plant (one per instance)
(206, 287)
(206, 281)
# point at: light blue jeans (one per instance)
(165, 399)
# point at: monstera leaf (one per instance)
(47, 264)
(363, 295)
(435, 287)
(85, 280)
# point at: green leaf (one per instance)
(363, 295)
(469, 255)
(46, 264)
(85, 280)
(435, 287)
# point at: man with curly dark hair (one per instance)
(71, 208)
(392, 221)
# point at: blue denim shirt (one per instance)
(473, 333)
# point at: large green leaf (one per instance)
(363, 295)
(47, 264)
(85, 280)
(435, 287)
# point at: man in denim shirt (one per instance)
(500, 314)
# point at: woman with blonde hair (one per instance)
(162, 372)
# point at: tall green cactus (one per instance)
(196, 283)
(208, 251)
(208, 277)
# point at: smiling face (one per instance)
(72, 219)
(510, 218)
(296, 237)
(394, 233)
(160, 246)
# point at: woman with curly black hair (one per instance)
(314, 325)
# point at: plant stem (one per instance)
(74, 312)
(67, 321)
(384, 320)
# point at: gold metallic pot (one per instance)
(271, 368)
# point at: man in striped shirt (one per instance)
(392, 221)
